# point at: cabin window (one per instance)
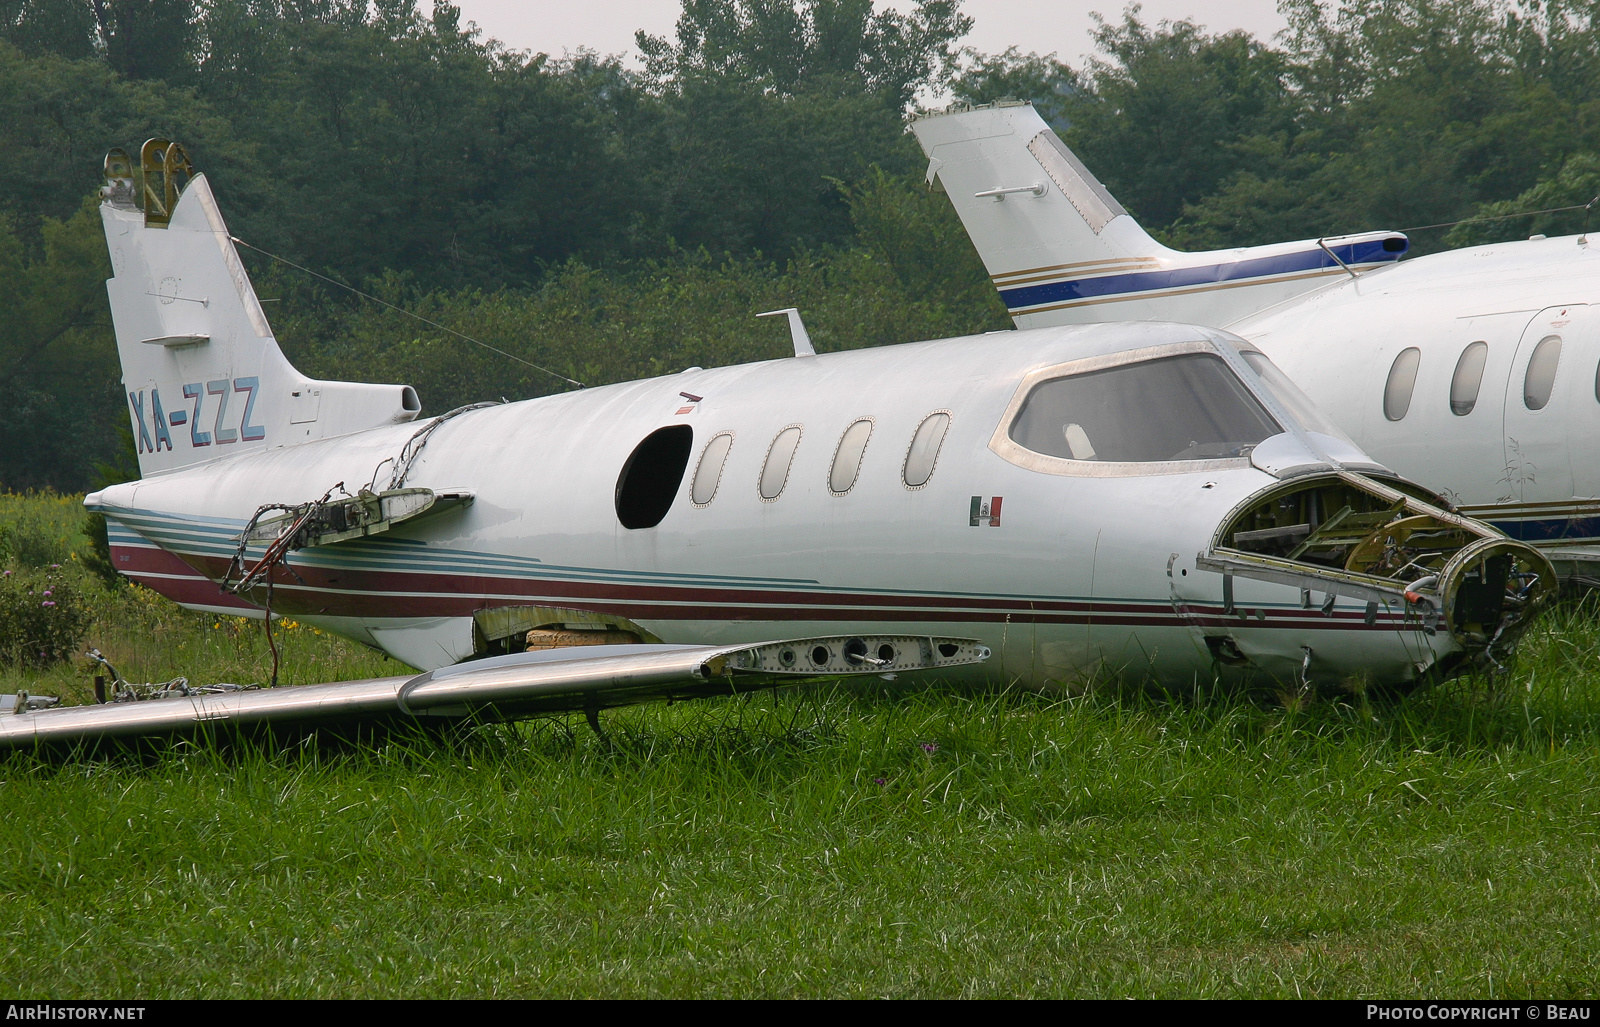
(1464, 384)
(1188, 407)
(847, 458)
(924, 452)
(1541, 377)
(709, 473)
(775, 472)
(1402, 380)
(649, 480)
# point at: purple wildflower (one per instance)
(47, 602)
(880, 782)
(47, 591)
(930, 747)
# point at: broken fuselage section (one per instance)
(1393, 547)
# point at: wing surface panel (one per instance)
(505, 687)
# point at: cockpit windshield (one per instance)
(1186, 407)
(1289, 394)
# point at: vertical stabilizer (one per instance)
(203, 375)
(1062, 250)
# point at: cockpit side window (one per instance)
(1186, 407)
(1297, 403)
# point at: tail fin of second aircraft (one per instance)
(1062, 250)
(201, 369)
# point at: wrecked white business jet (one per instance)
(1145, 501)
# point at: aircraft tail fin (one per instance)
(201, 369)
(1062, 250)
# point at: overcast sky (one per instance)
(1041, 26)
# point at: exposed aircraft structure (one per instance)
(1476, 371)
(1137, 500)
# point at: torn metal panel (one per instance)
(1282, 572)
(366, 513)
(1344, 534)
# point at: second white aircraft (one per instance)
(1475, 371)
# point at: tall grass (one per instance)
(144, 635)
(38, 529)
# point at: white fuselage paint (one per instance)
(1082, 576)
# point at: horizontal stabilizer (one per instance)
(503, 687)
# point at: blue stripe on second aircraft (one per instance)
(1552, 529)
(1211, 274)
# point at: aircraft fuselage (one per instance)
(1064, 576)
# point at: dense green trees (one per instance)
(1367, 114)
(611, 223)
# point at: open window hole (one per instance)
(649, 480)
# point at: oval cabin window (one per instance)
(649, 480)
(775, 472)
(709, 473)
(847, 458)
(1402, 379)
(924, 452)
(1540, 380)
(1464, 384)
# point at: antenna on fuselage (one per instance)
(797, 329)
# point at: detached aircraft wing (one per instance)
(587, 678)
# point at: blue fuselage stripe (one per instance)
(1183, 277)
(1551, 530)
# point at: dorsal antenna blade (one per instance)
(797, 329)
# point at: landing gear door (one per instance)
(1542, 394)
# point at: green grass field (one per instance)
(823, 842)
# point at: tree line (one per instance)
(608, 222)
